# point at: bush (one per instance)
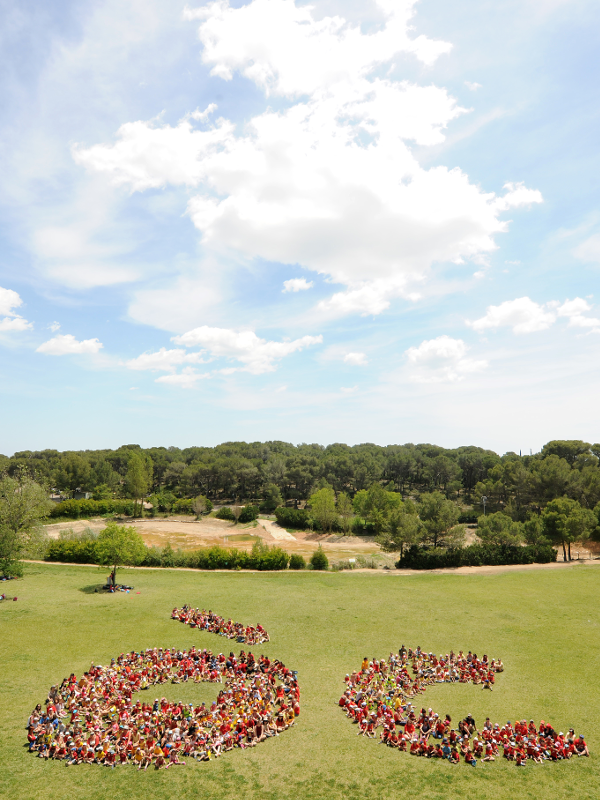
(225, 513)
(296, 518)
(74, 509)
(468, 518)
(249, 514)
(297, 561)
(476, 555)
(319, 560)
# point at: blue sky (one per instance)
(259, 220)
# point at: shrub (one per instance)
(319, 560)
(476, 555)
(249, 514)
(296, 518)
(297, 561)
(468, 518)
(74, 509)
(225, 513)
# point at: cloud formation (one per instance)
(442, 359)
(329, 179)
(524, 315)
(297, 285)
(67, 344)
(10, 320)
(257, 355)
(164, 360)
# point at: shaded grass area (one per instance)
(544, 624)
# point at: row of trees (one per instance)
(278, 472)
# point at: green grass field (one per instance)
(545, 625)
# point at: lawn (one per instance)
(545, 625)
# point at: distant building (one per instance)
(77, 494)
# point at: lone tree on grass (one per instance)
(23, 504)
(119, 545)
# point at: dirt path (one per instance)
(392, 572)
(276, 531)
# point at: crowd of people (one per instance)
(379, 695)
(213, 623)
(96, 720)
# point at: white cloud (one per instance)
(164, 360)
(516, 195)
(472, 86)
(67, 344)
(54, 327)
(297, 285)
(522, 315)
(9, 300)
(186, 379)
(327, 181)
(356, 359)
(283, 49)
(14, 324)
(442, 359)
(574, 310)
(257, 355)
(589, 250)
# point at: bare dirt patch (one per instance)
(187, 534)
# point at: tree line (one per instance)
(406, 495)
(241, 471)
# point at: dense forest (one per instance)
(240, 472)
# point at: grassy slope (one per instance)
(544, 625)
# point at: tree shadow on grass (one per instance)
(95, 587)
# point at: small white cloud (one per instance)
(165, 360)
(574, 310)
(348, 389)
(516, 263)
(187, 378)
(442, 359)
(281, 389)
(14, 324)
(257, 355)
(479, 274)
(522, 315)
(68, 345)
(517, 194)
(356, 359)
(297, 285)
(54, 327)
(9, 300)
(472, 86)
(201, 115)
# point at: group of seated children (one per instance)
(213, 623)
(95, 720)
(379, 694)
